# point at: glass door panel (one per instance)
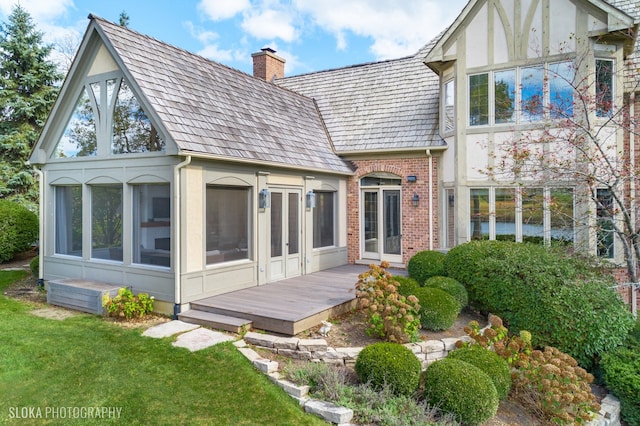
(392, 233)
(371, 222)
(294, 220)
(276, 224)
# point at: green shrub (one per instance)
(126, 305)
(491, 363)
(406, 286)
(438, 309)
(34, 265)
(451, 286)
(18, 229)
(621, 368)
(389, 364)
(391, 316)
(425, 264)
(563, 301)
(462, 389)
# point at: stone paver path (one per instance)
(190, 336)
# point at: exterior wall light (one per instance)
(412, 178)
(415, 200)
(311, 200)
(264, 199)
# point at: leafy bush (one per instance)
(126, 305)
(462, 389)
(392, 316)
(425, 264)
(621, 368)
(451, 286)
(563, 301)
(438, 309)
(548, 382)
(491, 363)
(391, 364)
(34, 266)
(18, 229)
(406, 286)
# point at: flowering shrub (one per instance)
(126, 305)
(392, 317)
(550, 381)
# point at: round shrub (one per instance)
(461, 389)
(426, 264)
(34, 265)
(438, 309)
(391, 364)
(406, 286)
(451, 286)
(18, 229)
(491, 363)
(558, 298)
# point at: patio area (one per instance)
(286, 307)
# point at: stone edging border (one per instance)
(317, 350)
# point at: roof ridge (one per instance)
(189, 53)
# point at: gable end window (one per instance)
(449, 106)
(108, 118)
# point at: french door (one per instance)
(286, 234)
(381, 224)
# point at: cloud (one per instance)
(217, 10)
(396, 28)
(40, 10)
(270, 23)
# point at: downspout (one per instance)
(40, 224)
(430, 199)
(177, 231)
(632, 190)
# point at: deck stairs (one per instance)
(215, 320)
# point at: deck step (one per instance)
(217, 321)
(80, 294)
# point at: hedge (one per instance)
(389, 364)
(562, 301)
(18, 229)
(425, 264)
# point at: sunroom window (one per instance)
(561, 88)
(532, 93)
(605, 232)
(152, 224)
(228, 223)
(68, 220)
(106, 222)
(324, 219)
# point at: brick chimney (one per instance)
(267, 65)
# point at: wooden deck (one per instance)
(292, 305)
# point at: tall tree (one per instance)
(28, 89)
(124, 19)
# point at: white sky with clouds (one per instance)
(311, 35)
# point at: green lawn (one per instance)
(86, 362)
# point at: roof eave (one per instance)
(264, 163)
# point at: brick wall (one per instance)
(415, 220)
(267, 65)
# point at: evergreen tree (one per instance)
(28, 89)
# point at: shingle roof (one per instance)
(209, 108)
(376, 106)
(631, 8)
